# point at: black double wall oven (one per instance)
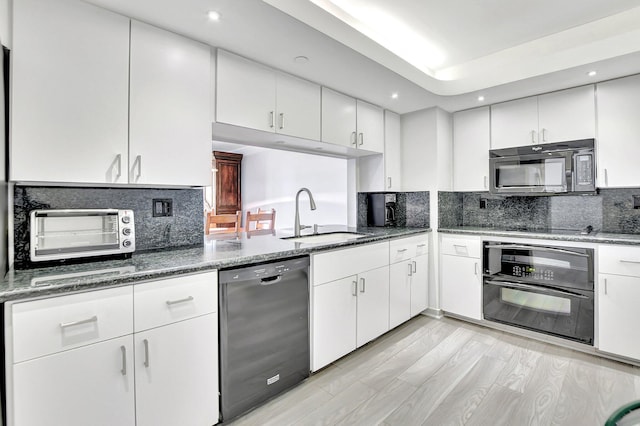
(548, 289)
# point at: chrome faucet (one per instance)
(312, 204)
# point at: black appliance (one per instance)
(381, 209)
(549, 289)
(264, 333)
(547, 169)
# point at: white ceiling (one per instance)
(502, 49)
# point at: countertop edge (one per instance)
(597, 237)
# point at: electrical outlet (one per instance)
(483, 203)
(636, 201)
(162, 207)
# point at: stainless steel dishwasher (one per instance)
(264, 332)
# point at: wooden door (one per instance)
(228, 193)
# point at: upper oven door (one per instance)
(547, 173)
(563, 267)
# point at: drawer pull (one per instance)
(124, 360)
(84, 321)
(146, 352)
(175, 302)
(630, 261)
(402, 250)
(422, 245)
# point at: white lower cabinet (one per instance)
(74, 357)
(461, 276)
(408, 278)
(373, 305)
(399, 293)
(419, 284)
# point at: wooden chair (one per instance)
(223, 222)
(260, 218)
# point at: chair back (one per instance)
(223, 222)
(264, 219)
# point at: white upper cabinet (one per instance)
(351, 122)
(70, 87)
(471, 144)
(392, 152)
(338, 118)
(257, 97)
(553, 117)
(618, 132)
(370, 126)
(170, 142)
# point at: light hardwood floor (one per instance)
(449, 372)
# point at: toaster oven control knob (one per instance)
(126, 243)
(126, 219)
(126, 231)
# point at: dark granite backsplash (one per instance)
(412, 209)
(184, 228)
(612, 210)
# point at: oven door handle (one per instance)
(525, 247)
(535, 288)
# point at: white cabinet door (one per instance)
(245, 93)
(373, 305)
(69, 113)
(399, 293)
(461, 286)
(334, 320)
(514, 123)
(91, 385)
(567, 115)
(170, 142)
(370, 125)
(618, 132)
(471, 144)
(177, 373)
(392, 152)
(618, 315)
(338, 118)
(419, 284)
(298, 107)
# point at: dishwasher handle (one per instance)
(271, 280)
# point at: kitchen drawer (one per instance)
(456, 245)
(619, 260)
(175, 299)
(405, 248)
(337, 264)
(46, 326)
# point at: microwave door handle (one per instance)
(546, 249)
(545, 290)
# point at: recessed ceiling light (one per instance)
(591, 73)
(301, 59)
(214, 16)
(481, 98)
(394, 96)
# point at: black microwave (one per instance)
(546, 169)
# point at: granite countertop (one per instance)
(219, 251)
(559, 235)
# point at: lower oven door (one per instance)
(554, 311)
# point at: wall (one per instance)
(184, 229)
(271, 179)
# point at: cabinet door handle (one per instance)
(544, 135)
(415, 266)
(119, 160)
(362, 285)
(533, 136)
(629, 261)
(84, 321)
(354, 288)
(146, 352)
(361, 139)
(139, 163)
(410, 269)
(282, 120)
(389, 186)
(354, 139)
(605, 286)
(124, 360)
(475, 268)
(485, 182)
(271, 119)
(606, 178)
(175, 302)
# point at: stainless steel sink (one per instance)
(333, 237)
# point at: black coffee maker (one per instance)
(381, 209)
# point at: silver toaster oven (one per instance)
(78, 233)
